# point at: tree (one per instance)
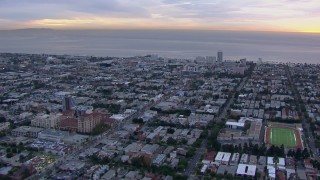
(291, 153)
(236, 148)
(38, 84)
(9, 155)
(275, 161)
(14, 150)
(271, 150)
(138, 162)
(298, 154)
(228, 148)
(216, 145)
(250, 144)
(2, 119)
(229, 176)
(245, 148)
(180, 177)
(255, 149)
(100, 129)
(137, 121)
(258, 175)
(282, 150)
(96, 160)
(21, 158)
(204, 134)
(191, 152)
(170, 131)
(183, 163)
(305, 153)
(171, 141)
(197, 143)
(240, 148)
(165, 170)
(183, 141)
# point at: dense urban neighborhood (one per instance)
(148, 117)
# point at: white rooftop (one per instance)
(245, 169)
(223, 156)
(118, 117)
(272, 171)
(230, 123)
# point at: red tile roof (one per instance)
(96, 114)
(69, 123)
(109, 120)
(281, 175)
(210, 156)
(68, 113)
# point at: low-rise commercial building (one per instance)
(27, 131)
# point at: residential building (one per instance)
(46, 120)
(223, 157)
(88, 122)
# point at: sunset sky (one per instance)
(244, 15)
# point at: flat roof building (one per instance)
(246, 170)
(235, 125)
(235, 158)
(150, 149)
(244, 158)
(53, 135)
(223, 157)
(26, 131)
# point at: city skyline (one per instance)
(244, 15)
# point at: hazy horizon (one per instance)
(270, 46)
(164, 29)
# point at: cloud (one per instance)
(206, 14)
(41, 9)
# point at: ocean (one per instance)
(270, 46)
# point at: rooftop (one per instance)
(245, 169)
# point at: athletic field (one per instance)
(285, 136)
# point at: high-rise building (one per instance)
(220, 56)
(67, 103)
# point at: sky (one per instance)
(238, 15)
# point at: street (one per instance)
(306, 126)
(202, 150)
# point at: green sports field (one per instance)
(284, 136)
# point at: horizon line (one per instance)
(164, 29)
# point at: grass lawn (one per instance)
(284, 136)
